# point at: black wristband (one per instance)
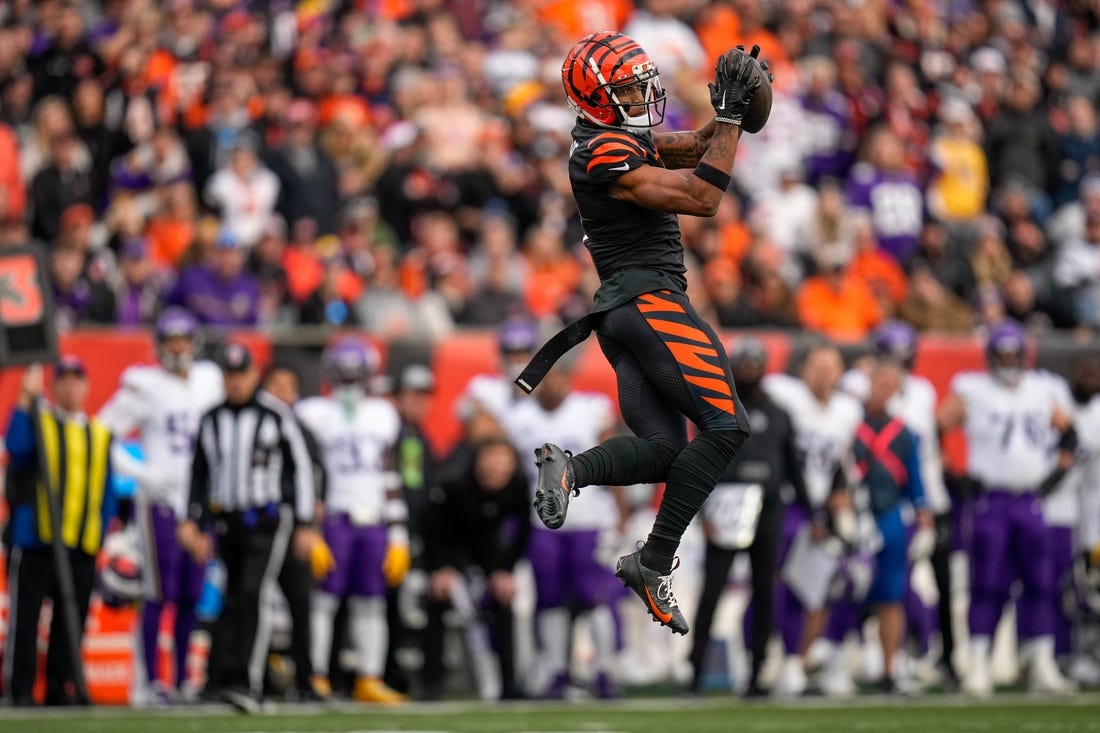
(713, 176)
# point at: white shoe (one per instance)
(836, 683)
(792, 678)
(978, 681)
(1085, 671)
(1045, 678)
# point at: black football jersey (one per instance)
(623, 236)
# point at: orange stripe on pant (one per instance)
(723, 405)
(720, 386)
(655, 304)
(691, 356)
(678, 329)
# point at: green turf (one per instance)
(658, 716)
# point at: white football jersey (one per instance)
(915, 404)
(164, 410)
(355, 439)
(1008, 429)
(823, 432)
(576, 425)
(1086, 475)
(493, 393)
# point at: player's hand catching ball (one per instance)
(734, 85)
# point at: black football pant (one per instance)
(941, 567)
(31, 579)
(763, 556)
(669, 365)
(253, 554)
(296, 582)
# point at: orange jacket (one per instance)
(844, 314)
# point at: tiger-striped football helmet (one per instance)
(599, 71)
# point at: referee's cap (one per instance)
(235, 357)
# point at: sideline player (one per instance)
(162, 404)
(1008, 413)
(825, 422)
(629, 184)
(915, 403)
(570, 576)
(364, 517)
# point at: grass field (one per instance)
(713, 715)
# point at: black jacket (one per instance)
(466, 525)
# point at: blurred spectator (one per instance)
(835, 301)
(244, 192)
(1079, 149)
(1020, 142)
(66, 180)
(140, 287)
(553, 273)
(330, 304)
(764, 301)
(887, 190)
(308, 182)
(172, 226)
(219, 292)
(881, 272)
(960, 184)
(388, 312)
(929, 306)
(104, 144)
(789, 214)
(1078, 271)
(77, 298)
(59, 60)
(830, 142)
(1068, 222)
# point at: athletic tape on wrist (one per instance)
(713, 176)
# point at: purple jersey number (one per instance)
(181, 436)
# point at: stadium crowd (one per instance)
(399, 165)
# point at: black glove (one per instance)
(734, 85)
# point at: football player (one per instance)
(363, 519)
(488, 397)
(570, 576)
(825, 422)
(1008, 413)
(629, 184)
(915, 403)
(162, 405)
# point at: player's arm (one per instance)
(684, 149)
(700, 192)
(951, 413)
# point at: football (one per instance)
(757, 115)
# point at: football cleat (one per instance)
(320, 686)
(792, 678)
(654, 589)
(978, 682)
(373, 689)
(555, 485)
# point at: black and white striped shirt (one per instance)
(250, 456)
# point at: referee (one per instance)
(251, 483)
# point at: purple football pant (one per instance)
(359, 552)
(1011, 541)
(789, 613)
(566, 569)
(177, 579)
(1061, 562)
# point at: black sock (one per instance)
(691, 478)
(622, 461)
